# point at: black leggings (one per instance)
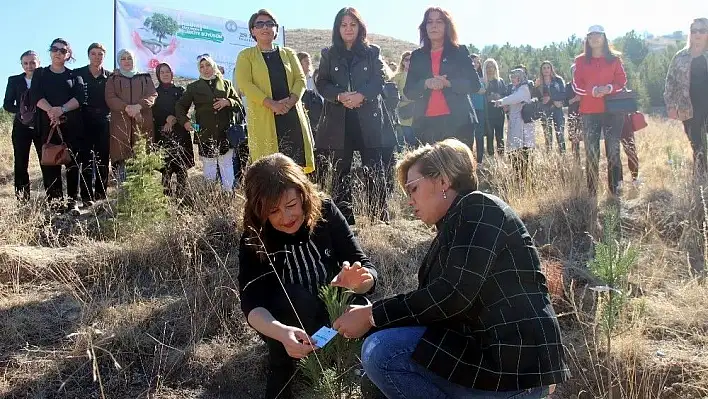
(313, 314)
(696, 129)
(496, 131)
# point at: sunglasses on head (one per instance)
(696, 31)
(62, 50)
(199, 57)
(264, 24)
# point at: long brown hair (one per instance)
(609, 53)
(450, 29)
(405, 54)
(540, 81)
(337, 40)
(266, 181)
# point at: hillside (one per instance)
(314, 40)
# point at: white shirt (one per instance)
(28, 81)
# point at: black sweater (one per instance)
(311, 260)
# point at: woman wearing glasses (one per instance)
(686, 92)
(130, 95)
(58, 92)
(273, 82)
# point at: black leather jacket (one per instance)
(365, 76)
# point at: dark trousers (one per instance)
(240, 161)
(53, 181)
(520, 162)
(378, 179)
(552, 121)
(22, 139)
(696, 129)
(495, 130)
(575, 134)
(430, 130)
(312, 313)
(611, 124)
(480, 131)
(94, 156)
(630, 148)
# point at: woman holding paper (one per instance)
(480, 323)
(295, 241)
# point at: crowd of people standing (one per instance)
(480, 323)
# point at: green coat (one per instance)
(253, 81)
(212, 124)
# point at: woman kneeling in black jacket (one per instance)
(295, 241)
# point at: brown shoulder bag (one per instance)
(55, 154)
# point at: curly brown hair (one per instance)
(266, 181)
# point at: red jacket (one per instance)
(599, 72)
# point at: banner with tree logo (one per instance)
(157, 34)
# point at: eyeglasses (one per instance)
(55, 49)
(699, 31)
(407, 185)
(264, 24)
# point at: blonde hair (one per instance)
(492, 62)
(702, 21)
(450, 159)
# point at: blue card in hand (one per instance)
(323, 336)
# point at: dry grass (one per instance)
(83, 314)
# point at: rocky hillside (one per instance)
(314, 40)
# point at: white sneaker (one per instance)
(637, 183)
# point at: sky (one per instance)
(479, 22)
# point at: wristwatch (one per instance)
(63, 109)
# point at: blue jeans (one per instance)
(386, 357)
(553, 118)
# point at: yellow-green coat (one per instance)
(253, 81)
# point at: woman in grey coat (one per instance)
(521, 135)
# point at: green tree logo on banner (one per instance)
(161, 25)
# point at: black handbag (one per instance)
(622, 102)
(236, 134)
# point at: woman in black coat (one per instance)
(58, 93)
(170, 135)
(351, 80)
(441, 81)
(24, 132)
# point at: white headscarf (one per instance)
(214, 67)
(123, 72)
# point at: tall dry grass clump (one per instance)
(157, 312)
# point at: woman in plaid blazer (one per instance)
(480, 324)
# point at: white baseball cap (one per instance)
(596, 29)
